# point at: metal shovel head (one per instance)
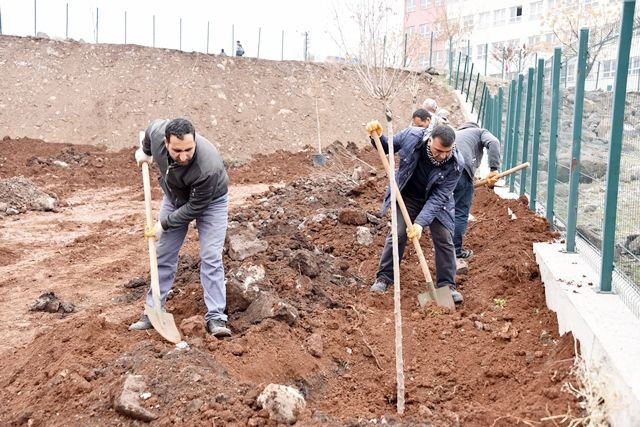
(163, 323)
(443, 298)
(319, 159)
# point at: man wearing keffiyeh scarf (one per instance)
(430, 165)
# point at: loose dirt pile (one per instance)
(299, 307)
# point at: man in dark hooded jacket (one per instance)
(430, 166)
(471, 141)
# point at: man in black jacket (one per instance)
(194, 182)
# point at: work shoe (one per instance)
(457, 296)
(464, 254)
(379, 286)
(218, 328)
(143, 324)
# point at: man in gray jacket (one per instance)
(471, 141)
(194, 182)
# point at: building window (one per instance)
(439, 2)
(481, 52)
(437, 57)
(515, 14)
(534, 41)
(411, 5)
(424, 30)
(609, 68)
(571, 70)
(499, 17)
(484, 20)
(535, 10)
(467, 22)
(592, 3)
(634, 65)
(424, 4)
(410, 31)
(424, 60)
(437, 28)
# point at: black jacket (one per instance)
(191, 187)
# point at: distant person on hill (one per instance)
(443, 116)
(222, 52)
(471, 141)
(431, 106)
(194, 181)
(239, 49)
(430, 166)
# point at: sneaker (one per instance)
(218, 328)
(457, 296)
(379, 286)
(464, 254)
(143, 324)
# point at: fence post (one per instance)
(615, 147)
(458, 72)
(469, 84)
(480, 106)
(431, 49)
(464, 74)
(553, 135)
(486, 57)
(503, 55)
(537, 119)
(450, 60)
(527, 123)
(508, 136)
(475, 92)
(516, 133)
(259, 34)
(499, 119)
(578, 106)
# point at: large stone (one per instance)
(193, 327)
(269, 306)
(364, 236)
(352, 217)
(128, 402)
(283, 403)
(462, 267)
(243, 244)
(315, 345)
(243, 288)
(304, 262)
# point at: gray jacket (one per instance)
(471, 140)
(191, 187)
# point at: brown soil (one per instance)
(485, 361)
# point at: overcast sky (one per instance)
(228, 21)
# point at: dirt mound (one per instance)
(19, 194)
(496, 359)
(245, 106)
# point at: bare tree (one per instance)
(379, 60)
(565, 23)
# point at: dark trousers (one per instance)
(442, 243)
(463, 196)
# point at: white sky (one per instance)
(247, 17)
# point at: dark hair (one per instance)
(445, 133)
(422, 114)
(179, 128)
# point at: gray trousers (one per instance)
(212, 228)
(442, 243)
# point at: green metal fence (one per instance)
(583, 142)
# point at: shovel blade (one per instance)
(319, 159)
(443, 298)
(163, 323)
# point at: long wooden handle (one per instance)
(153, 258)
(407, 219)
(503, 174)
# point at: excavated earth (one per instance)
(496, 361)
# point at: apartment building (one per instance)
(505, 36)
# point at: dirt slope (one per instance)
(66, 91)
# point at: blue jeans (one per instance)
(442, 243)
(463, 196)
(212, 229)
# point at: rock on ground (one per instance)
(283, 403)
(128, 401)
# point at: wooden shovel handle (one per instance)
(503, 174)
(407, 219)
(153, 258)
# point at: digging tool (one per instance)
(319, 159)
(503, 174)
(161, 320)
(441, 296)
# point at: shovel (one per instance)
(319, 159)
(503, 174)
(161, 320)
(441, 296)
